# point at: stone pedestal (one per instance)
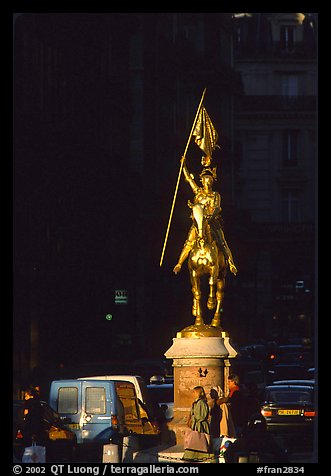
(197, 360)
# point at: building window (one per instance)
(290, 85)
(287, 38)
(291, 207)
(238, 38)
(290, 148)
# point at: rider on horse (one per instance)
(211, 202)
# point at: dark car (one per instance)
(289, 407)
(251, 371)
(60, 442)
(264, 351)
(162, 394)
(287, 372)
(294, 353)
(309, 382)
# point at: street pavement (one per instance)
(173, 454)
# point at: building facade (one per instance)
(103, 105)
(276, 125)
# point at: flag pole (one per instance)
(179, 175)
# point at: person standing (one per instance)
(237, 404)
(32, 420)
(252, 401)
(198, 420)
(221, 422)
(215, 412)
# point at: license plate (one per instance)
(73, 426)
(288, 412)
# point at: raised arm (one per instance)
(189, 177)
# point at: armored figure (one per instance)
(210, 202)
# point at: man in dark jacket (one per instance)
(32, 419)
(237, 404)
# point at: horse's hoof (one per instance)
(211, 303)
(216, 322)
(199, 321)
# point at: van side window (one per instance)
(128, 398)
(130, 409)
(67, 400)
(95, 401)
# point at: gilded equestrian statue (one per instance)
(205, 247)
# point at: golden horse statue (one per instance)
(205, 258)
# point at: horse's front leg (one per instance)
(219, 298)
(196, 307)
(211, 303)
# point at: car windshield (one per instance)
(289, 396)
(49, 414)
(296, 356)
